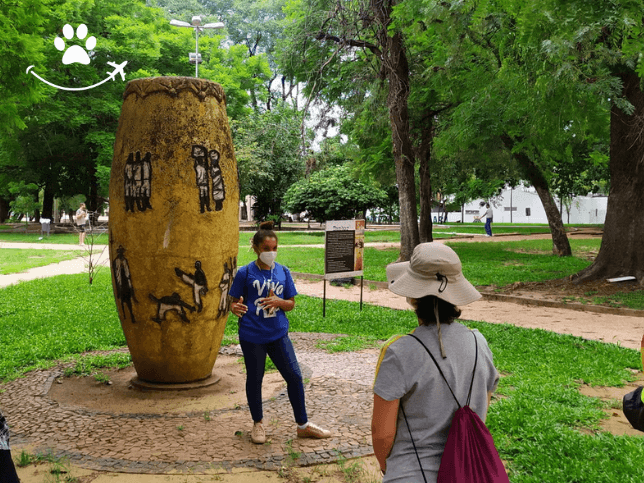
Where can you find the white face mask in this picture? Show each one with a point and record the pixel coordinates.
(268, 258)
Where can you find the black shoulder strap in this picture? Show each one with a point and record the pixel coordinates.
(422, 471)
(245, 289)
(476, 357)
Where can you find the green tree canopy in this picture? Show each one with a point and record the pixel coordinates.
(333, 194)
(21, 43)
(267, 148)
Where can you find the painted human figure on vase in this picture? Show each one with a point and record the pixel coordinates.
(170, 303)
(123, 281)
(218, 189)
(145, 190)
(201, 173)
(128, 177)
(137, 176)
(230, 270)
(197, 281)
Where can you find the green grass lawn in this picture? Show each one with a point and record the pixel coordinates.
(542, 426)
(317, 237)
(484, 264)
(14, 260)
(311, 260)
(55, 238)
(503, 263)
(302, 237)
(479, 229)
(499, 263)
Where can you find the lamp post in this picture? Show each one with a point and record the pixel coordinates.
(196, 24)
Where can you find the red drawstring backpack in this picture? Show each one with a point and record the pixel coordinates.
(470, 455)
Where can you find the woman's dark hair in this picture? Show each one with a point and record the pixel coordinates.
(265, 231)
(447, 312)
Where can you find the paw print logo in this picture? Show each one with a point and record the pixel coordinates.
(75, 53)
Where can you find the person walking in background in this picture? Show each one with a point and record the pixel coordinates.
(488, 219)
(262, 292)
(7, 469)
(81, 220)
(487, 214)
(413, 409)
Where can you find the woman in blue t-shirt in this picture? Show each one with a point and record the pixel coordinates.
(263, 291)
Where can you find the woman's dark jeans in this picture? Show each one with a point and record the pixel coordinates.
(282, 354)
(7, 469)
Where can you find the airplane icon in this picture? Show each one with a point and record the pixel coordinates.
(118, 69)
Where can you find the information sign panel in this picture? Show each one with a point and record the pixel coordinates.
(344, 249)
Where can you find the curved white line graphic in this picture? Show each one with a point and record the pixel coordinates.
(109, 76)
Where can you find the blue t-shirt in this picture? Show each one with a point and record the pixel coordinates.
(258, 325)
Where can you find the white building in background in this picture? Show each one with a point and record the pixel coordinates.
(522, 205)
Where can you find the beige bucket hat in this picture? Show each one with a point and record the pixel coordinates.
(434, 269)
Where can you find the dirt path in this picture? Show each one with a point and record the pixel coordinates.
(616, 329)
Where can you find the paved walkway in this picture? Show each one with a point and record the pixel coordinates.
(338, 394)
(98, 253)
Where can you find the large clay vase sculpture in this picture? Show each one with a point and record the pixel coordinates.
(173, 230)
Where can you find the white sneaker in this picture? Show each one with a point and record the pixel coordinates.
(258, 434)
(313, 431)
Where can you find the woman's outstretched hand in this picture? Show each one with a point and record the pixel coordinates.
(238, 308)
(270, 302)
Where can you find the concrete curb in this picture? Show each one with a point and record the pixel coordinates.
(600, 309)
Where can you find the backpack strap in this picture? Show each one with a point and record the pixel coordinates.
(476, 358)
(422, 472)
(245, 289)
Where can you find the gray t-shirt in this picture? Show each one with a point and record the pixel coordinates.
(406, 372)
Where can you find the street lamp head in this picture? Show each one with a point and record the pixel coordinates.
(179, 23)
(195, 58)
(216, 25)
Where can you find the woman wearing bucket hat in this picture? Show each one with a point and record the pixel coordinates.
(413, 407)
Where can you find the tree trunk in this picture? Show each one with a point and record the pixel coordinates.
(4, 210)
(425, 228)
(423, 154)
(48, 202)
(36, 216)
(93, 200)
(560, 242)
(396, 70)
(622, 248)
